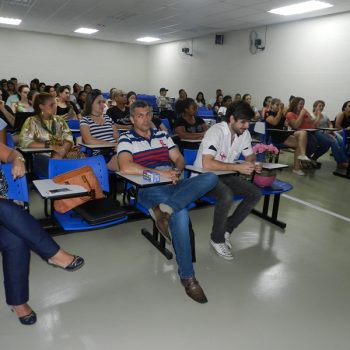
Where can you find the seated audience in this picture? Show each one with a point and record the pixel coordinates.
(42, 87)
(51, 90)
(247, 98)
(97, 128)
(22, 105)
(120, 112)
(81, 99)
(131, 98)
(297, 141)
(156, 121)
(218, 103)
(15, 97)
(46, 129)
(266, 107)
(65, 108)
(342, 120)
(226, 101)
(87, 88)
(34, 85)
(10, 90)
(21, 233)
(237, 98)
(200, 100)
(213, 100)
(144, 148)
(299, 118)
(189, 126)
(336, 140)
(165, 105)
(222, 145)
(76, 89)
(6, 113)
(182, 95)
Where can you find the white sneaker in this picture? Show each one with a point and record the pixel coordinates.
(228, 240)
(222, 250)
(304, 157)
(298, 172)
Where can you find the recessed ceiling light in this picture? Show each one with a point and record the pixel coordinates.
(148, 39)
(13, 21)
(302, 7)
(86, 31)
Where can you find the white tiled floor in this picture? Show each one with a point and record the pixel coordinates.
(285, 289)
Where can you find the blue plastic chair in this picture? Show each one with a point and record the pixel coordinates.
(74, 124)
(70, 221)
(166, 123)
(9, 140)
(17, 189)
(205, 113)
(151, 100)
(106, 95)
(346, 141)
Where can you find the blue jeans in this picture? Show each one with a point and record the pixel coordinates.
(20, 233)
(317, 144)
(337, 148)
(178, 197)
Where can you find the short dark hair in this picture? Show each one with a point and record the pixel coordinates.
(226, 98)
(239, 110)
(186, 103)
(137, 104)
(90, 98)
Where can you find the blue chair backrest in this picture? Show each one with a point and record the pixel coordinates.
(166, 123)
(98, 164)
(346, 140)
(190, 156)
(17, 189)
(9, 140)
(106, 95)
(206, 113)
(74, 124)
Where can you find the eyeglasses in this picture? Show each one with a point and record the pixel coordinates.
(122, 95)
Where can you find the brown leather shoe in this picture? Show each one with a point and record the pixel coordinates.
(161, 220)
(194, 290)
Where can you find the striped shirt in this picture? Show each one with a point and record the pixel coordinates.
(101, 132)
(151, 153)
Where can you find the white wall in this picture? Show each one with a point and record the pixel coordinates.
(309, 58)
(53, 58)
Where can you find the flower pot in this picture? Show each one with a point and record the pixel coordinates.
(265, 179)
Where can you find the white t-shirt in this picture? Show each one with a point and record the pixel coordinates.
(222, 110)
(217, 142)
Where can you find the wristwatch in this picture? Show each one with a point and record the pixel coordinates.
(20, 158)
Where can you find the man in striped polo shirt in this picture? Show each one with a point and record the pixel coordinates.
(144, 148)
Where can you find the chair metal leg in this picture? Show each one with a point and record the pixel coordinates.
(265, 212)
(158, 241)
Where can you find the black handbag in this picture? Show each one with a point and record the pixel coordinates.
(100, 211)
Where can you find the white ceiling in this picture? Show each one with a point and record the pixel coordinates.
(124, 21)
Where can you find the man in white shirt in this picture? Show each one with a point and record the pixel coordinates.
(221, 147)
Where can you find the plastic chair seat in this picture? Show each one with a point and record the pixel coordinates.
(71, 221)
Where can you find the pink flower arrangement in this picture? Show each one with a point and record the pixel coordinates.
(267, 149)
